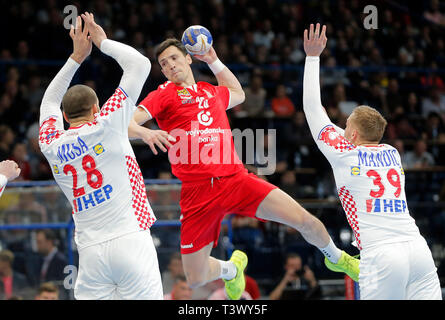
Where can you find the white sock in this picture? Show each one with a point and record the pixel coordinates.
(331, 252)
(228, 270)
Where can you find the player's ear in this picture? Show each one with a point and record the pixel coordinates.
(65, 117)
(96, 108)
(188, 58)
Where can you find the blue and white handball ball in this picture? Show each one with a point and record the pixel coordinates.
(197, 40)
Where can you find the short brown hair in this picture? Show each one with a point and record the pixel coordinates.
(48, 287)
(7, 256)
(78, 101)
(167, 43)
(370, 123)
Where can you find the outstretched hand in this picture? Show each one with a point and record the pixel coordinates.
(314, 41)
(158, 138)
(81, 42)
(97, 34)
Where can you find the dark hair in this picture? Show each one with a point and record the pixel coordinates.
(179, 278)
(168, 43)
(78, 101)
(292, 255)
(49, 234)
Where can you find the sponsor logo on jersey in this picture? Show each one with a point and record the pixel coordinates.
(184, 94)
(92, 199)
(99, 149)
(355, 171)
(56, 169)
(187, 246)
(386, 206)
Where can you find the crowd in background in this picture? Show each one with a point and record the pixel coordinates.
(398, 68)
(262, 43)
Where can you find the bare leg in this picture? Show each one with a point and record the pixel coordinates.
(280, 207)
(200, 267)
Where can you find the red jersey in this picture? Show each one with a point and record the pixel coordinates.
(196, 117)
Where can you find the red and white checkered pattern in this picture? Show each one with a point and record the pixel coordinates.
(139, 195)
(350, 207)
(333, 139)
(48, 131)
(113, 103)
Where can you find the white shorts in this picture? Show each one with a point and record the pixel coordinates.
(399, 271)
(122, 268)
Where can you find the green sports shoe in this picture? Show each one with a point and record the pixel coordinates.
(347, 264)
(235, 287)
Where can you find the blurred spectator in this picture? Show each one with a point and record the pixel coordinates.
(220, 293)
(28, 209)
(419, 157)
(288, 183)
(412, 104)
(435, 129)
(264, 35)
(330, 75)
(180, 290)
(434, 103)
(47, 291)
(12, 282)
(6, 141)
(252, 287)
(40, 169)
(281, 105)
(174, 269)
(401, 128)
(20, 155)
(255, 97)
(298, 282)
(434, 14)
(393, 97)
(53, 260)
(247, 233)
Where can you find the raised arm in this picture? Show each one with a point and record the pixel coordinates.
(135, 66)
(52, 99)
(224, 76)
(314, 43)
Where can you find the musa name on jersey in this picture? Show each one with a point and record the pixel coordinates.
(96, 169)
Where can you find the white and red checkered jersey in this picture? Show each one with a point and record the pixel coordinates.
(95, 166)
(370, 179)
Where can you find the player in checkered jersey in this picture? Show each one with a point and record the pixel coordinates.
(94, 165)
(9, 170)
(396, 262)
(214, 180)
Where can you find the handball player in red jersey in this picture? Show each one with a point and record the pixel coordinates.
(214, 180)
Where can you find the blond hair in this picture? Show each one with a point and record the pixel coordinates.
(369, 122)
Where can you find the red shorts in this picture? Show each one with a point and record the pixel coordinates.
(204, 205)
